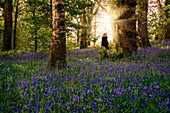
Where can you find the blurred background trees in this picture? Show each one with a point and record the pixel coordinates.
(32, 22)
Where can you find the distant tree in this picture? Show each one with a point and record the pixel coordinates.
(7, 39)
(15, 25)
(37, 17)
(161, 27)
(89, 10)
(92, 10)
(142, 23)
(57, 57)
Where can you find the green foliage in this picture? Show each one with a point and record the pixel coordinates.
(38, 23)
(111, 54)
(94, 39)
(10, 53)
(70, 45)
(1, 32)
(2, 4)
(156, 26)
(103, 52)
(74, 9)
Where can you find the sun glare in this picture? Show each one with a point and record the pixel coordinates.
(104, 26)
(104, 22)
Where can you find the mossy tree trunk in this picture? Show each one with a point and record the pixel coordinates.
(57, 57)
(142, 23)
(7, 40)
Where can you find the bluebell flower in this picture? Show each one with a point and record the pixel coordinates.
(19, 110)
(168, 108)
(168, 100)
(117, 105)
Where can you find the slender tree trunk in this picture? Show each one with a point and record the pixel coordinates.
(15, 25)
(167, 33)
(51, 11)
(159, 5)
(8, 26)
(78, 36)
(142, 23)
(83, 43)
(95, 27)
(57, 57)
(89, 30)
(89, 22)
(35, 33)
(113, 24)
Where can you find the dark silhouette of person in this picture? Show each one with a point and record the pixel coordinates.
(104, 41)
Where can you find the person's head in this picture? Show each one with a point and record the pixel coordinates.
(105, 34)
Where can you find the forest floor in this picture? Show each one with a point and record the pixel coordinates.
(140, 83)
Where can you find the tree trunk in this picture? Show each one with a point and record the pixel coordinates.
(83, 43)
(57, 57)
(159, 5)
(127, 27)
(167, 33)
(160, 34)
(15, 26)
(35, 32)
(8, 26)
(89, 22)
(89, 30)
(78, 37)
(142, 23)
(113, 24)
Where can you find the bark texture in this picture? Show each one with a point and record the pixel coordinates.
(35, 32)
(127, 27)
(15, 25)
(57, 57)
(167, 34)
(7, 40)
(83, 43)
(142, 23)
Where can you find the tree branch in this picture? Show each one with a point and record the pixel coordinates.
(102, 7)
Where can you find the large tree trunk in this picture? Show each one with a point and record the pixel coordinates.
(83, 43)
(142, 23)
(15, 25)
(167, 33)
(8, 26)
(127, 27)
(57, 57)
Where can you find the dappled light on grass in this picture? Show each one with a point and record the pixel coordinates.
(135, 84)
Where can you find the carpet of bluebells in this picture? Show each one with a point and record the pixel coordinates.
(140, 83)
